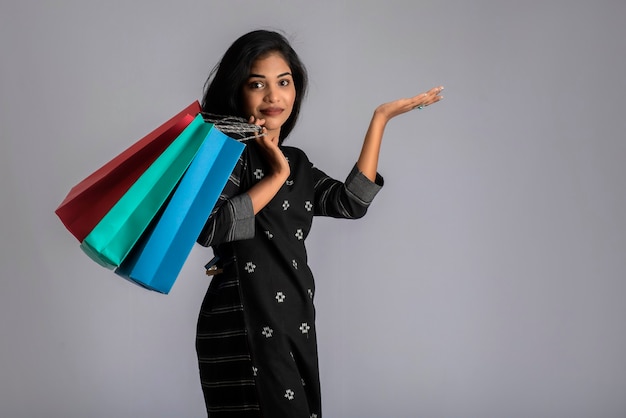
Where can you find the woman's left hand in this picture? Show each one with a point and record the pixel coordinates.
(368, 159)
(398, 107)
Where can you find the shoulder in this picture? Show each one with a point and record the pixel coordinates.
(294, 154)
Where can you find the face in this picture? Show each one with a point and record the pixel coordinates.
(269, 92)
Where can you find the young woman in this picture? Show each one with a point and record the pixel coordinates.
(256, 340)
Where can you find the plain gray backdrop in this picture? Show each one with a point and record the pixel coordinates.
(488, 278)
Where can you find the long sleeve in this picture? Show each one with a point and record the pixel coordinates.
(232, 218)
(349, 199)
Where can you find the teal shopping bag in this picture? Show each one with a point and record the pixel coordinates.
(113, 237)
(158, 257)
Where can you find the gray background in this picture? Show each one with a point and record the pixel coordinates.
(487, 280)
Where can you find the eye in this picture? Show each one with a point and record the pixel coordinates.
(255, 85)
(284, 83)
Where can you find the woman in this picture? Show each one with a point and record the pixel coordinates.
(256, 339)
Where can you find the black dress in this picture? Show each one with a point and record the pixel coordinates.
(256, 340)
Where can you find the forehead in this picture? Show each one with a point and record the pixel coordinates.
(270, 64)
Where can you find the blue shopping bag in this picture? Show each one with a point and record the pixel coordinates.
(158, 257)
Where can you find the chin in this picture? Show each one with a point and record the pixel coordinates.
(273, 126)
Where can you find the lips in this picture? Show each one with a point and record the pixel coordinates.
(272, 111)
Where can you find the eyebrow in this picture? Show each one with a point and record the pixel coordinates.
(262, 76)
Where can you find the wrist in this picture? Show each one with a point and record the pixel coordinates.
(279, 177)
(380, 117)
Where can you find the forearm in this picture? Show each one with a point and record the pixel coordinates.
(265, 190)
(233, 221)
(368, 159)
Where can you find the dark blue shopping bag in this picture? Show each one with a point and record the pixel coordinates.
(157, 259)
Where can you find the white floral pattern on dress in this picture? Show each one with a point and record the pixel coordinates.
(259, 174)
(280, 297)
(250, 267)
(285, 205)
(267, 332)
(308, 206)
(304, 328)
(289, 394)
(299, 234)
(269, 235)
(294, 263)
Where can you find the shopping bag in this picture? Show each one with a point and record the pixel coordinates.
(88, 201)
(118, 231)
(158, 257)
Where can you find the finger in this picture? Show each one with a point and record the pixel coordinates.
(419, 101)
(435, 90)
(423, 100)
(259, 123)
(253, 120)
(432, 96)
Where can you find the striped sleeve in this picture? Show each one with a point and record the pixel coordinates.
(232, 218)
(349, 199)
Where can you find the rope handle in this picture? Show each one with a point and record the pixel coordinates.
(233, 125)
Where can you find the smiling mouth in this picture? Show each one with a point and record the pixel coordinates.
(274, 111)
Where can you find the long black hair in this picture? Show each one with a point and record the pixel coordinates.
(224, 87)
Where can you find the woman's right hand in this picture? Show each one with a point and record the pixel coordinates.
(274, 156)
(265, 190)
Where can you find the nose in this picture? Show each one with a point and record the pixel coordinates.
(270, 94)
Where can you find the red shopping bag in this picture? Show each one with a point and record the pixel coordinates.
(88, 201)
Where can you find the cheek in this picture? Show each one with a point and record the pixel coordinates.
(292, 97)
(248, 104)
